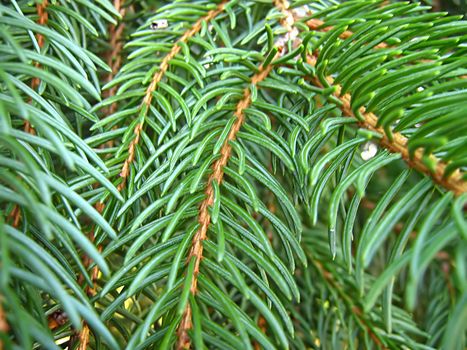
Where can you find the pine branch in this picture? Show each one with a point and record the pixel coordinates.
(394, 142)
(356, 310)
(204, 217)
(52, 227)
(288, 23)
(206, 122)
(125, 172)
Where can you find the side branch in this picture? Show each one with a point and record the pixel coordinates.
(125, 172)
(204, 217)
(399, 143)
(358, 313)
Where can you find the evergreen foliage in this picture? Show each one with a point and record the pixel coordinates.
(244, 174)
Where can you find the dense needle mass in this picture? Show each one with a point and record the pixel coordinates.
(242, 174)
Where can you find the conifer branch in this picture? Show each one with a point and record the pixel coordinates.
(398, 143)
(58, 318)
(239, 151)
(156, 79)
(204, 217)
(328, 277)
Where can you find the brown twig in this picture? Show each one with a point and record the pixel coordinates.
(155, 80)
(15, 216)
(84, 333)
(262, 325)
(43, 19)
(83, 338)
